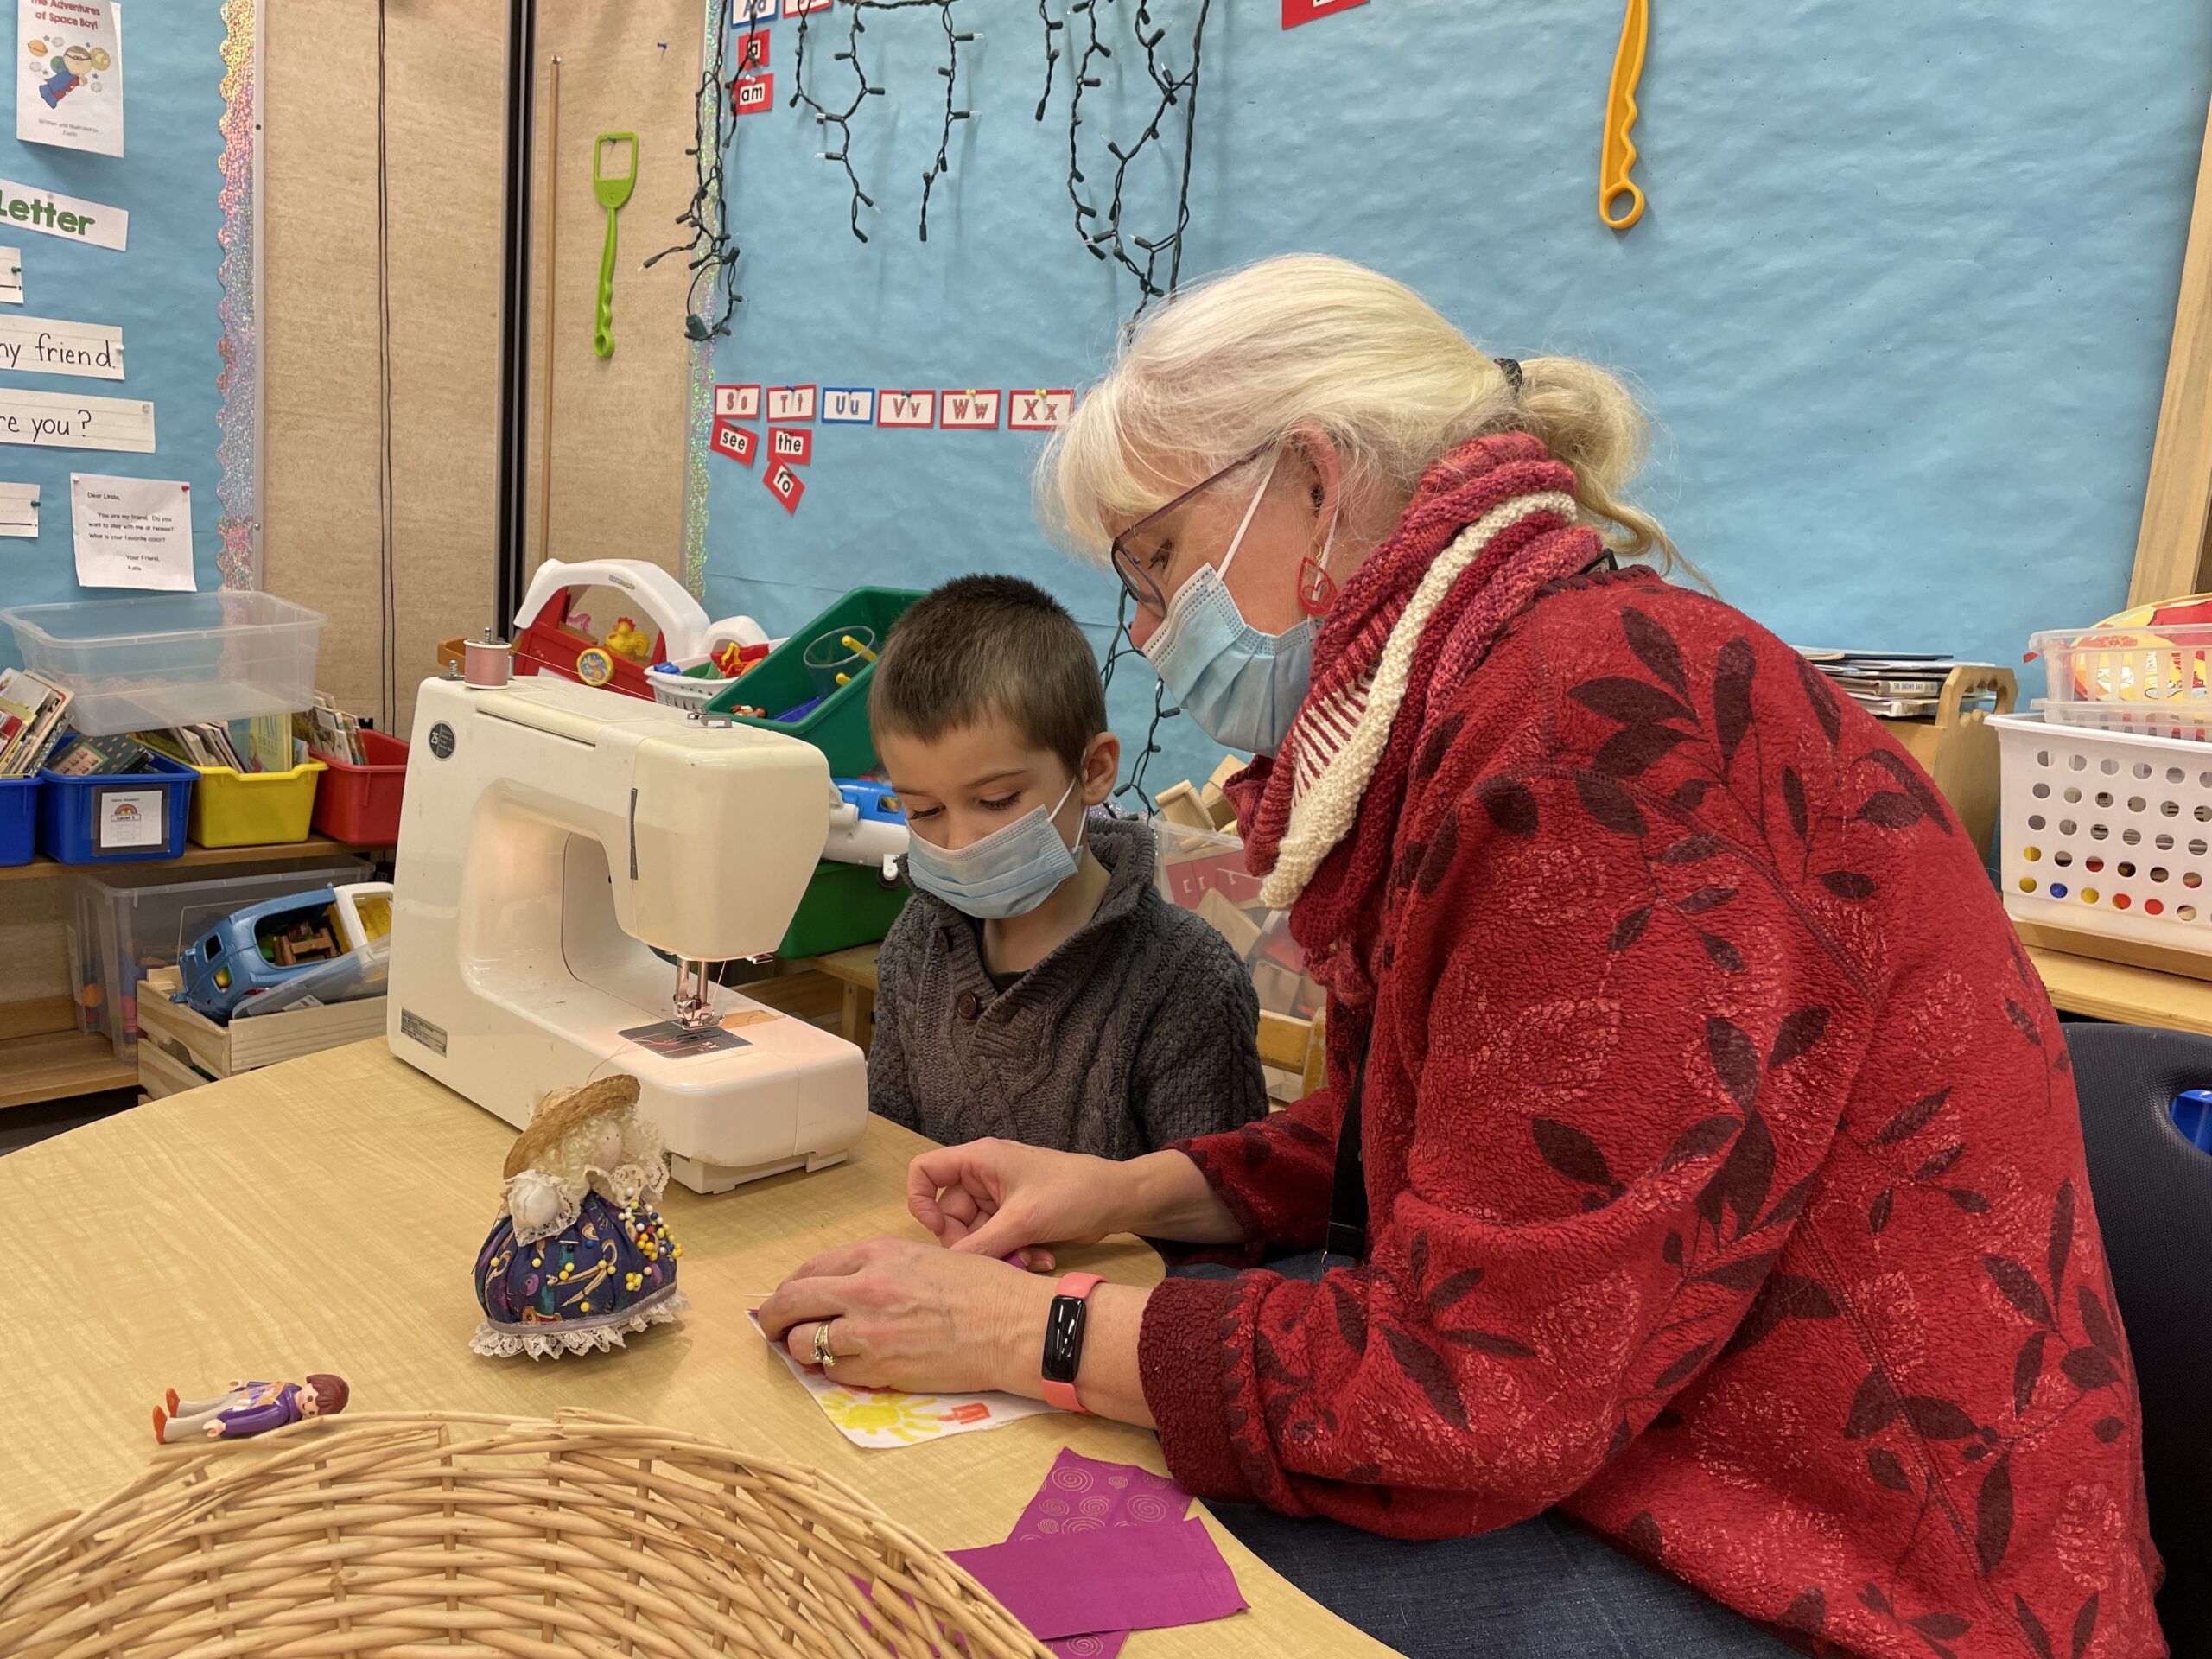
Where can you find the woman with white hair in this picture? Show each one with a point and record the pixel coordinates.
(1705, 1242)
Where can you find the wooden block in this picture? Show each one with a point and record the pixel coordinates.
(1229, 922)
(1179, 804)
(1211, 796)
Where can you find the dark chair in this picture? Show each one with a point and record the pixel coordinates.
(2153, 1192)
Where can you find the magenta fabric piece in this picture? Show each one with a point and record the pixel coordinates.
(1083, 1495)
(1100, 1645)
(1116, 1578)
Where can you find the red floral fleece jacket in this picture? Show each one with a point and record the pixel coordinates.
(1725, 1179)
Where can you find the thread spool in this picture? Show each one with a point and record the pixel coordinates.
(488, 662)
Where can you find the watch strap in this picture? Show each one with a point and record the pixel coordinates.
(1063, 1327)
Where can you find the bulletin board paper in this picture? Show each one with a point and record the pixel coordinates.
(1846, 333)
(180, 293)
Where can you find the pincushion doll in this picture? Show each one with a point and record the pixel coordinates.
(579, 1257)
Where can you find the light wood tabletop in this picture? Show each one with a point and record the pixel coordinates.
(324, 1215)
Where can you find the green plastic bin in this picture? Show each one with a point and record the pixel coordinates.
(845, 904)
(838, 725)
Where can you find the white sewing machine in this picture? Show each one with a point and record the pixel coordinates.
(551, 833)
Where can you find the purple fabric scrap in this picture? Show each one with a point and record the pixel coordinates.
(1081, 1494)
(1145, 1577)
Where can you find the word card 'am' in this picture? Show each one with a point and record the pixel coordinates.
(791, 402)
(969, 411)
(906, 408)
(1039, 412)
(750, 94)
(55, 421)
(737, 403)
(849, 405)
(42, 346)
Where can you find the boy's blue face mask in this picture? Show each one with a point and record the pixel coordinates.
(1009, 873)
(1240, 685)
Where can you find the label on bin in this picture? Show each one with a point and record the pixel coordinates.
(124, 819)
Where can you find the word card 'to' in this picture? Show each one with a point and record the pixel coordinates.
(750, 94)
(740, 443)
(791, 402)
(1038, 411)
(970, 411)
(737, 403)
(791, 443)
(849, 405)
(785, 484)
(905, 409)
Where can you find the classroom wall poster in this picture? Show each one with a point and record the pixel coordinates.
(69, 75)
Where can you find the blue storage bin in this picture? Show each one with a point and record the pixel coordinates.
(125, 818)
(18, 819)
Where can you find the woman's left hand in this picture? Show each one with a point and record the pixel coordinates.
(916, 1317)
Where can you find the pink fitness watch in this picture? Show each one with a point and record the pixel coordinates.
(1063, 1339)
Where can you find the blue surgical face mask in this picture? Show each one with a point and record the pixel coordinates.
(1240, 685)
(1009, 873)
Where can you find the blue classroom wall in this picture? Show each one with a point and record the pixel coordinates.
(1902, 300)
(163, 291)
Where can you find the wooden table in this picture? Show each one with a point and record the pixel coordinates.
(2132, 996)
(324, 1215)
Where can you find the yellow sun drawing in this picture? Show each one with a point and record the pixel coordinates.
(886, 1411)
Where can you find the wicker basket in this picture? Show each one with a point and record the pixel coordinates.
(478, 1535)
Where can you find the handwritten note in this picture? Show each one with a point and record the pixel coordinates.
(132, 532)
(43, 345)
(50, 420)
(18, 510)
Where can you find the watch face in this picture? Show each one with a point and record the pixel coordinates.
(1063, 1354)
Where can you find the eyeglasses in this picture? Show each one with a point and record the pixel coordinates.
(1136, 580)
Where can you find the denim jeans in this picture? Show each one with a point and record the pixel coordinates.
(1543, 1589)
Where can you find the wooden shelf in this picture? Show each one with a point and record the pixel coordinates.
(56, 1064)
(194, 858)
(2132, 996)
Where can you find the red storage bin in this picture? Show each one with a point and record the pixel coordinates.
(359, 805)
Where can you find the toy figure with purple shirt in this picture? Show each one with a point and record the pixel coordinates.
(248, 1408)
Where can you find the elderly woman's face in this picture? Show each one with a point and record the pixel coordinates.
(1170, 546)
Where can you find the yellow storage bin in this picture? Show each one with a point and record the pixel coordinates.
(233, 809)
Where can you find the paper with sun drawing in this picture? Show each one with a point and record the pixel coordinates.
(884, 1417)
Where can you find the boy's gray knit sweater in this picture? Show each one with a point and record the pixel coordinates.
(1137, 1031)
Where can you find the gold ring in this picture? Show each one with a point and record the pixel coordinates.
(822, 1356)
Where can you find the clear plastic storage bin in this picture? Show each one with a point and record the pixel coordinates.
(2147, 680)
(127, 923)
(172, 659)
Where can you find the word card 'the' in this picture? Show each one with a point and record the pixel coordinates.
(737, 403)
(970, 411)
(740, 443)
(1039, 412)
(905, 409)
(791, 402)
(791, 443)
(785, 484)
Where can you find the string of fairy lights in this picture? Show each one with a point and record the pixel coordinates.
(1089, 31)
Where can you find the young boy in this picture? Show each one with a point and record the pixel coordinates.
(1036, 987)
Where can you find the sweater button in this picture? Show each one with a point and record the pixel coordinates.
(967, 1005)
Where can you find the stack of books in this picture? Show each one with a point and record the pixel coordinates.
(32, 712)
(1889, 684)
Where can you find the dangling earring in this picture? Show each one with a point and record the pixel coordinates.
(1317, 588)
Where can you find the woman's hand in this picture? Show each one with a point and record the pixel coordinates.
(993, 1198)
(908, 1316)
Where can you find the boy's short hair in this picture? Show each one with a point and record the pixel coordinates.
(980, 646)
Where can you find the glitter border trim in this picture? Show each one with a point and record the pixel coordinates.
(237, 383)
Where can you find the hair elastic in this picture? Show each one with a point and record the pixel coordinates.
(1510, 368)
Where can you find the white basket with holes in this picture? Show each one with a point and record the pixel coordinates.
(2107, 833)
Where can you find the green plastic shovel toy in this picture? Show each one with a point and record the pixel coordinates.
(611, 193)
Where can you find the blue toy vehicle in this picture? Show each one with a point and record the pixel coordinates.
(257, 948)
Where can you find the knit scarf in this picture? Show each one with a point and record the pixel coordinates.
(1491, 524)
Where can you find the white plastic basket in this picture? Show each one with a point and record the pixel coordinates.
(681, 691)
(2153, 681)
(2106, 832)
